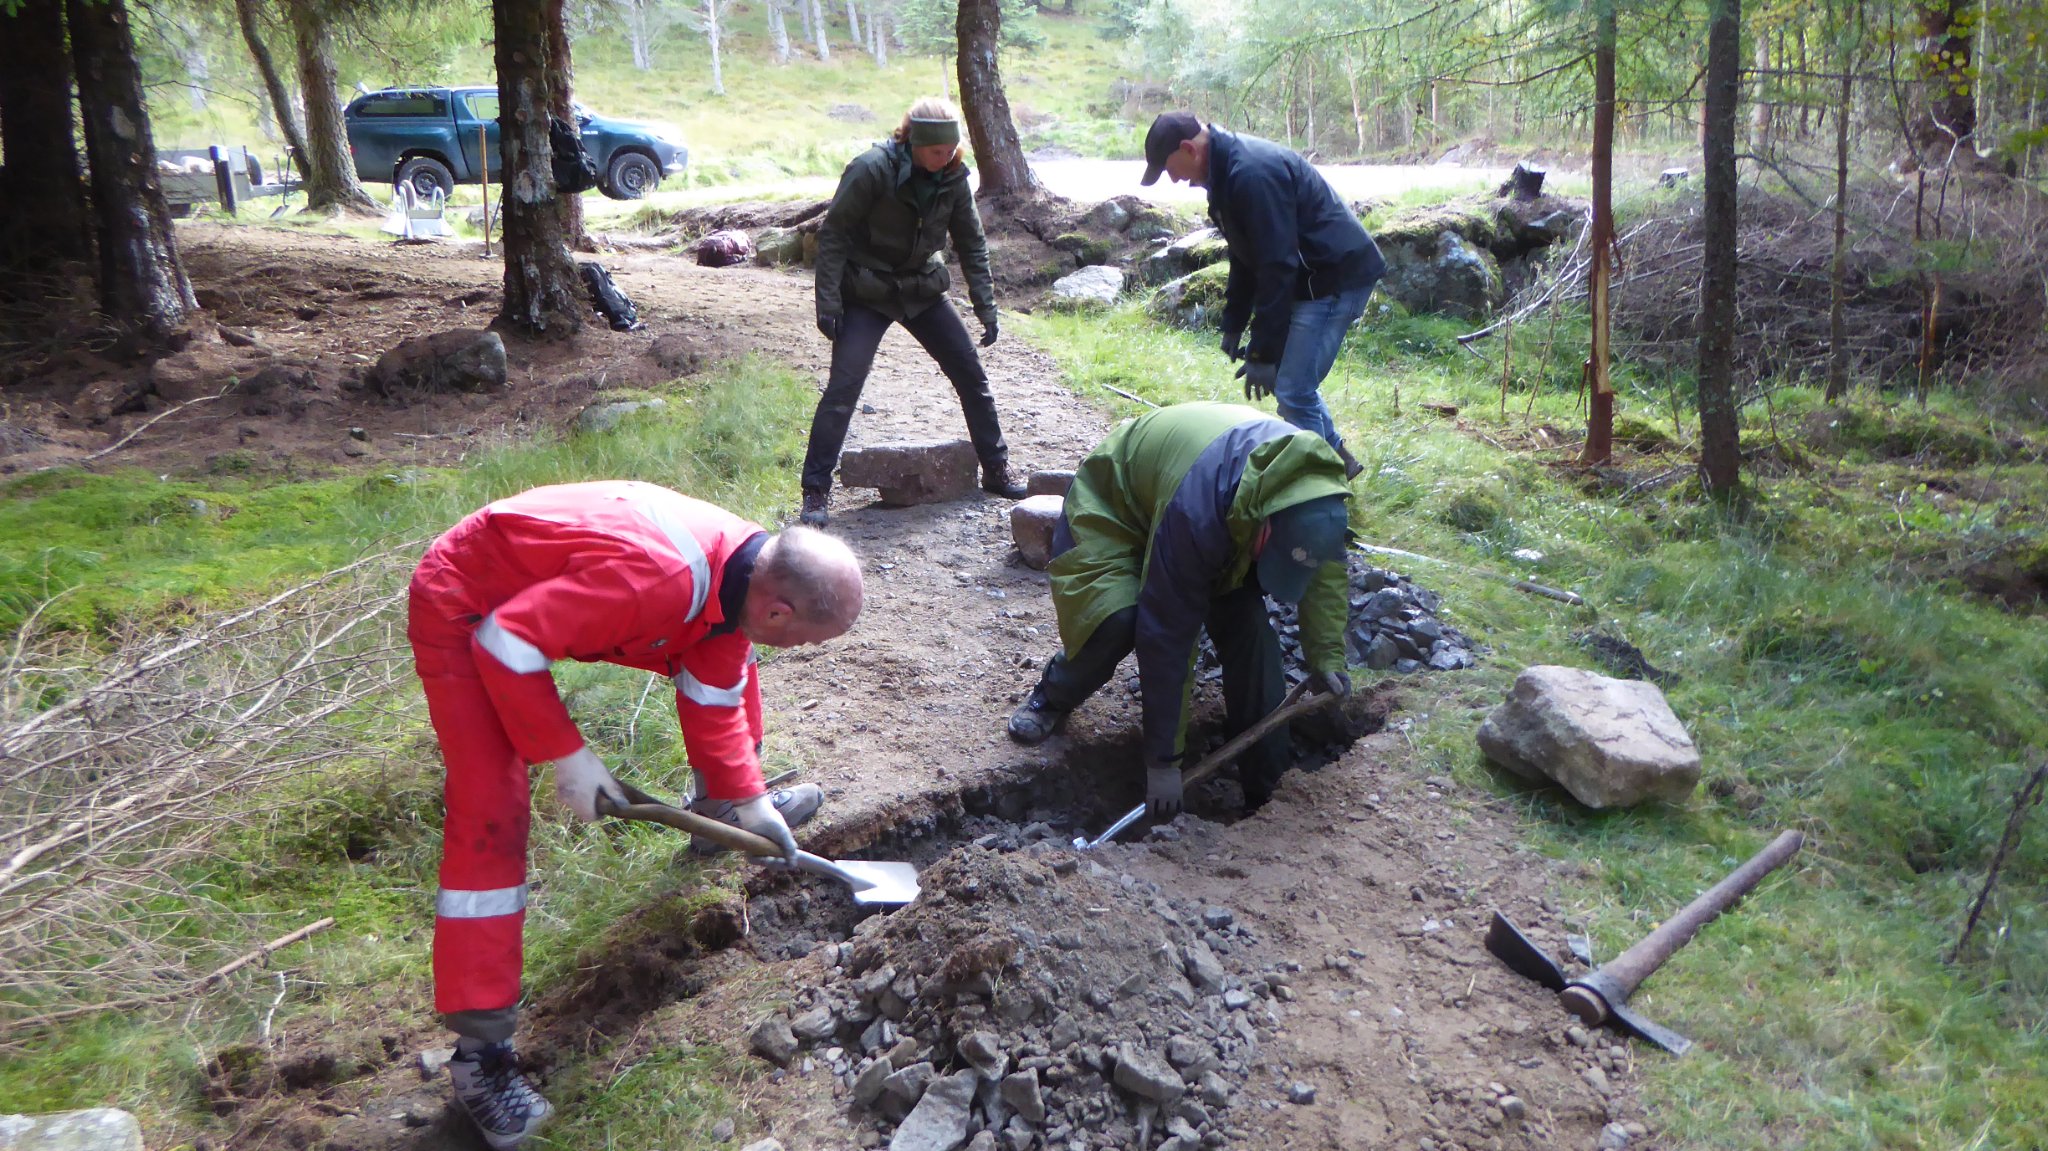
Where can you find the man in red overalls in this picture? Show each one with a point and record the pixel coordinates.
(617, 571)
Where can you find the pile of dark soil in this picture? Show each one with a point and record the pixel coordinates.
(1037, 999)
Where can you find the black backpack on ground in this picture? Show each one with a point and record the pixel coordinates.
(609, 301)
(575, 171)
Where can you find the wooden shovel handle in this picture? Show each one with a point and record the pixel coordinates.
(1298, 702)
(648, 809)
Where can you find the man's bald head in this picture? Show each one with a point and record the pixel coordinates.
(806, 589)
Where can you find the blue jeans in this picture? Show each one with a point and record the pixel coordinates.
(1315, 332)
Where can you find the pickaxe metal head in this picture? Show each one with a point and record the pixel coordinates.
(1595, 999)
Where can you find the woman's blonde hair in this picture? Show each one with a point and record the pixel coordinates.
(928, 108)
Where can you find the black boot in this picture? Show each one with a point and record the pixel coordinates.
(1351, 465)
(996, 481)
(816, 513)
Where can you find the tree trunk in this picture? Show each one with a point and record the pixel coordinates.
(853, 23)
(878, 37)
(1762, 109)
(563, 104)
(330, 171)
(42, 199)
(711, 37)
(982, 102)
(803, 11)
(1720, 447)
(1599, 384)
(818, 26)
(250, 18)
(778, 30)
(142, 285)
(1946, 128)
(1838, 343)
(636, 35)
(542, 293)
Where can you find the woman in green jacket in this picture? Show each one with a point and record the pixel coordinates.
(882, 261)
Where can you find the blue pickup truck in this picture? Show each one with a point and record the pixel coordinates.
(427, 137)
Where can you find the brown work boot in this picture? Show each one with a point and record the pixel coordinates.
(1351, 465)
(816, 513)
(996, 481)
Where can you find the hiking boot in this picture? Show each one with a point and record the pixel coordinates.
(797, 805)
(816, 513)
(996, 481)
(1034, 722)
(1351, 465)
(489, 1086)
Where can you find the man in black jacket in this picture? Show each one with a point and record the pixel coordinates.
(1301, 265)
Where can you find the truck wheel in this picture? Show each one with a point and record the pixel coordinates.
(425, 174)
(632, 176)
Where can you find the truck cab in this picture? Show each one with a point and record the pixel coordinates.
(430, 138)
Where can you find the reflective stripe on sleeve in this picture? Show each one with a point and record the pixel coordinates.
(509, 649)
(679, 536)
(697, 691)
(453, 904)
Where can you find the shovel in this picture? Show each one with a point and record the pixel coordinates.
(874, 883)
(1297, 703)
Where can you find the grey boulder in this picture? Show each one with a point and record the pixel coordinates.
(1609, 742)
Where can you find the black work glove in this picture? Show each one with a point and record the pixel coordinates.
(1230, 345)
(828, 325)
(1337, 683)
(1258, 379)
(989, 328)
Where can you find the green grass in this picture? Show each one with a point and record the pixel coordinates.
(1835, 679)
(362, 844)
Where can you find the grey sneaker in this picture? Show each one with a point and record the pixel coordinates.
(797, 805)
(1035, 721)
(489, 1086)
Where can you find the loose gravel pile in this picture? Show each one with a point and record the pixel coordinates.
(1037, 999)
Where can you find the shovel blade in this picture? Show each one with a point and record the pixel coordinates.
(1522, 956)
(880, 884)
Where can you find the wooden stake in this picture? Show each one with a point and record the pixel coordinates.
(483, 159)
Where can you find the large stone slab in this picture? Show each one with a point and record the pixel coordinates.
(97, 1129)
(905, 474)
(1093, 287)
(1610, 742)
(1033, 519)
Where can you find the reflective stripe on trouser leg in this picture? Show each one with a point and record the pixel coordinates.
(481, 908)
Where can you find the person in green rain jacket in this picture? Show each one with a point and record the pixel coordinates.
(1183, 519)
(882, 261)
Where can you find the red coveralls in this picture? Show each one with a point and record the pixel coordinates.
(618, 571)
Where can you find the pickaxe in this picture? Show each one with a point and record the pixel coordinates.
(1602, 996)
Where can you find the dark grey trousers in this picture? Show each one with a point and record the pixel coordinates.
(939, 330)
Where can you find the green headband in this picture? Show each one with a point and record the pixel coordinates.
(925, 132)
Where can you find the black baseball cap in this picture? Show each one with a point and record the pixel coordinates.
(1302, 537)
(1168, 130)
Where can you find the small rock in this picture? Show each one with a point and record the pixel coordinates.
(761, 1145)
(815, 1025)
(1578, 1036)
(1613, 1137)
(941, 1118)
(433, 1059)
(1513, 1107)
(910, 1083)
(1217, 918)
(1141, 1073)
(1184, 1051)
(871, 1082)
(1301, 1094)
(1022, 1092)
(1597, 1080)
(772, 1040)
(982, 1141)
(1235, 1000)
(1203, 967)
(1065, 1033)
(1215, 1089)
(984, 1052)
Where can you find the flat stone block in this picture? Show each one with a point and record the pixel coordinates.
(1032, 521)
(905, 474)
(1049, 483)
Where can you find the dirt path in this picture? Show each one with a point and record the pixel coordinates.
(1371, 882)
